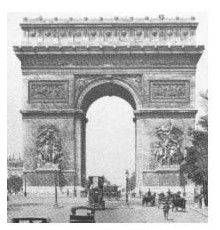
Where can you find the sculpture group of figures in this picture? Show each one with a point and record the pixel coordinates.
(168, 150)
(174, 200)
(48, 146)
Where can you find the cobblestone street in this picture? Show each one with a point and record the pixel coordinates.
(116, 211)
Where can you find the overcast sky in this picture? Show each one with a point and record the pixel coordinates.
(110, 130)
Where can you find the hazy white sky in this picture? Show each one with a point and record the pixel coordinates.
(110, 130)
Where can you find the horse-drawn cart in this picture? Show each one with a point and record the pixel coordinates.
(149, 199)
(178, 202)
(174, 199)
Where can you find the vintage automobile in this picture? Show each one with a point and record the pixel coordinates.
(178, 202)
(96, 192)
(111, 192)
(30, 220)
(82, 214)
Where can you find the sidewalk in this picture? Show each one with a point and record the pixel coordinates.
(203, 211)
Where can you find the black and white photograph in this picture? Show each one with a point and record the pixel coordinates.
(107, 117)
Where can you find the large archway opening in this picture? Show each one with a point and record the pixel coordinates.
(110, 139)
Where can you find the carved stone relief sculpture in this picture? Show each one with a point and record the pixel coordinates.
(48, 91)
(168, 149)
(48, 146)
(163, 90)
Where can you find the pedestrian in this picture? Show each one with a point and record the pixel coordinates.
(200, 200)
(166, 208)
(169, 193)
(149, 193)
(140, 193)
(200, 197)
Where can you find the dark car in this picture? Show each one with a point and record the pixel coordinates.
(82, 215)
(30, 220)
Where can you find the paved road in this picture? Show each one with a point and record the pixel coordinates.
(135, 213)
(116, 211)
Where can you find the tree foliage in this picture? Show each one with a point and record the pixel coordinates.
(14, 184)
(132, 182)
(196, 161)
(203, 121)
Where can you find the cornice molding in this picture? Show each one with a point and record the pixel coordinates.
(101, 21)
(66, 113)
(162, 113)
(99, 70)
(50, 50)
(161, 170)
(27, 70)
(108, 57)
(46, 171)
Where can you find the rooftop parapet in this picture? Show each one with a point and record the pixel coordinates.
(109, 31)
(115, 20)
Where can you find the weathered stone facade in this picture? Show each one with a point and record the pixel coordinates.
(68, 64)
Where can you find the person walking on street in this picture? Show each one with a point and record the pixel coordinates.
(149, 193)
(200, 200)
(166, 208)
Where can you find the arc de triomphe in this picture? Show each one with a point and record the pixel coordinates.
(69, 63)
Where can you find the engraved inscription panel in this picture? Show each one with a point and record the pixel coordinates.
(169, 90)
(48, 91)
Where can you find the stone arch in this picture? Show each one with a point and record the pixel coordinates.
(157, 80)
(93, 91)
(107, 87)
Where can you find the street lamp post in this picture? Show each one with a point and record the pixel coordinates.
(127, 184)
(25, 184)
(74, 185)
(55, 186)
(182, 174)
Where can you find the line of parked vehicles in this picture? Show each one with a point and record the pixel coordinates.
(175, 200)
